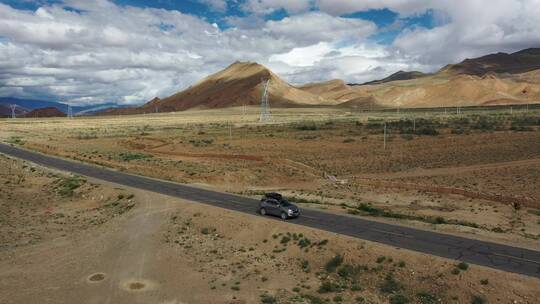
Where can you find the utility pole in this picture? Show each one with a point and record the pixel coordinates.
(384, 142)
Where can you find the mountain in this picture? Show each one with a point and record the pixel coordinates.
(45, 112)
(5, 111)
(31, 104)
(493, 79)
(239, 84)
(515, 63)
(399, 75)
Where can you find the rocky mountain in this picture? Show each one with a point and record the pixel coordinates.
(45, 112)
(515, 63)
(239, 84)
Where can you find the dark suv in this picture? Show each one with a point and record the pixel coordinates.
(274, 204)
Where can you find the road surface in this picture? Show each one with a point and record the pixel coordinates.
(498, 256)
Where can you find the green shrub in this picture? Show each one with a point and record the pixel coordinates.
(463, 266)
(67, 186)
(399, 299)
(478, 300)
(267, 299)
(327, 286)
(334, 263)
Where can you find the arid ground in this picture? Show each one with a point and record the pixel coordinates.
(474, 174)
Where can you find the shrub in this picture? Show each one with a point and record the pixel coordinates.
(334, 263)
(328, 286)
(478, 300)
(463, 266)
(347, 271)
(380, 259)
(68, 185)
(307, 127)
(484, 281)
(338, 299)
(205, 230)
(399, 299)
(389, 285)
(267, 299)
(426, 298)
(129, 156)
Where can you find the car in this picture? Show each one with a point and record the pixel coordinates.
(275, 204)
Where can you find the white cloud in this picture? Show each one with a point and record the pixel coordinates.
(264, 7)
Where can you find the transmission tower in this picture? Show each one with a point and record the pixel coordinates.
(13, 107)
(70, 111)
(265, 107)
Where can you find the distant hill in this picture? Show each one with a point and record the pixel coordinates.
(45, 112)
(399, 75)
(519, 62)
(31, 104)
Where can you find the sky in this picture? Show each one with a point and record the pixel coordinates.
(130, 51)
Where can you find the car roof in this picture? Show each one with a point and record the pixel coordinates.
(273, 195)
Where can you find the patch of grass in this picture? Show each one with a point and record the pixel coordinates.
(478, 300)
(368, 209)
(67, 186)
(390, 285)
(129, 156)
(427, 298)
(306, 127)
(314, 300)
(334, 263)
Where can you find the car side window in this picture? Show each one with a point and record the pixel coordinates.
(272, 202)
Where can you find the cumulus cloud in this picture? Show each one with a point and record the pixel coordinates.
(263, 7)
(97, 51)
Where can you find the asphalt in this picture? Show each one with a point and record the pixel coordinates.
(493, 255)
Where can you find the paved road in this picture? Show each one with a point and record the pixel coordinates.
(507, 258)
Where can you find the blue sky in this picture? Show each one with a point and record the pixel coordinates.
(389, 22)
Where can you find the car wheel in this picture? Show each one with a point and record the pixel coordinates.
(283, 215)
(262, 211)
